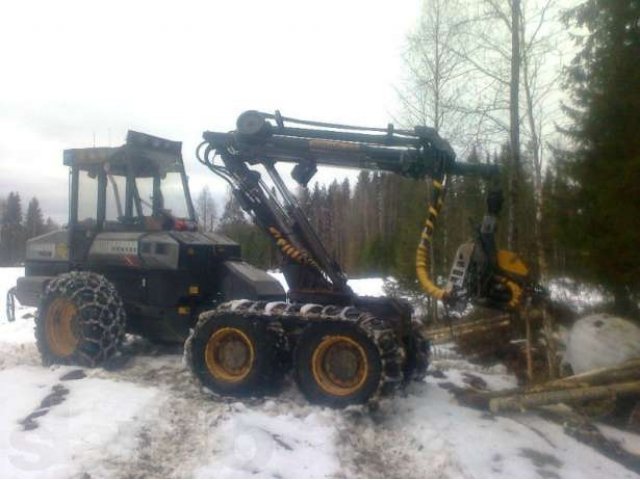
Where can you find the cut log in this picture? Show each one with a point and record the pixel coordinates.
(528, 400)
(626, 372)
(445, 334)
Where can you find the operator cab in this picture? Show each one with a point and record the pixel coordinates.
(140, 186)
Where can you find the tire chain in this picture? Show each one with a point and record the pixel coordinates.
(392, 355)
(11, 305)
(101, 310)
(422, 355)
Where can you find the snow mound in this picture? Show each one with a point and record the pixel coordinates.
(601, 340)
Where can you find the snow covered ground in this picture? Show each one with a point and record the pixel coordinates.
(149, 419)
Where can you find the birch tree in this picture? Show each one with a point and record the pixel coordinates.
(206, 210)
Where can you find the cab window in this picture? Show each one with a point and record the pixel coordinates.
(87, 198)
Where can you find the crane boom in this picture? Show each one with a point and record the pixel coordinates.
(416, 154)
(312, 274)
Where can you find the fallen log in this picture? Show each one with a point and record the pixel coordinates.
(527, 399)
(628, 371)
(449, 332)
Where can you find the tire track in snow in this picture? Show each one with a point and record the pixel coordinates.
(378, 444)
(172, 437)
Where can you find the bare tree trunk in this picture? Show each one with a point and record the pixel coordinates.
(548, 328)
(514, 117)
(529, 345)
(536, 147)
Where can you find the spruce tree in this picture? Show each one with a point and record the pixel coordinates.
(256, 246)
(34, 220)
(233, 213)
(12, 233)
(603, 170)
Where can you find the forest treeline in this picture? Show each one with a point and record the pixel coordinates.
(16, 228)
(489, 78)
(372, 227)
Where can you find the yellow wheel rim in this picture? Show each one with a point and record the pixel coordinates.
(229, 355)
(59, 327)
(339, 365)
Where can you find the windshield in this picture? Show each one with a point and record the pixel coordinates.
(162, 194)
(172, 191)
(157, 198)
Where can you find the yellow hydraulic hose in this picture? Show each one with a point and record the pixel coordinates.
(290, 250)
(423, 258)
(515, 289)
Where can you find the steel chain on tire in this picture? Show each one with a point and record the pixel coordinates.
(422, 352)
(273, 326)
(392, 355)
(11, 305)
(101, 317)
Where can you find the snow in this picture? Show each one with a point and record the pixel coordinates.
(150, 419)
(626, 440)
(601, 340)
(373, 287)
(88, 423)
(273, 444)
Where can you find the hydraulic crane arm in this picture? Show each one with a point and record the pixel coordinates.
(416, 154)
(264, 139)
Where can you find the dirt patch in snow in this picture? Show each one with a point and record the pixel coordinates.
(73, 375)
(55, 397)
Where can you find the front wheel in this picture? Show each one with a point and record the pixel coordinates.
(81, 320)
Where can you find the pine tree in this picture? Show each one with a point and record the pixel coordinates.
(34, 221)
(257, 248)
(603, 171)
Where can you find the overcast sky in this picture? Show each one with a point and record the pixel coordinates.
(75, 71)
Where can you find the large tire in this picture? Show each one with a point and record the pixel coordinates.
(81, 320)
(337, 364)
(236, 354)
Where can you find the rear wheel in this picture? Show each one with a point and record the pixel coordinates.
(234, 354)
(338, 364)
(81, 320)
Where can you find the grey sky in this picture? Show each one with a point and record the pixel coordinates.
(73, 71)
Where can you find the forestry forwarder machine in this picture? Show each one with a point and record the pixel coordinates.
(140, 265)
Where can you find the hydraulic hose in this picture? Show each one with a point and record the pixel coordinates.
(291, 251)
(423, 255)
